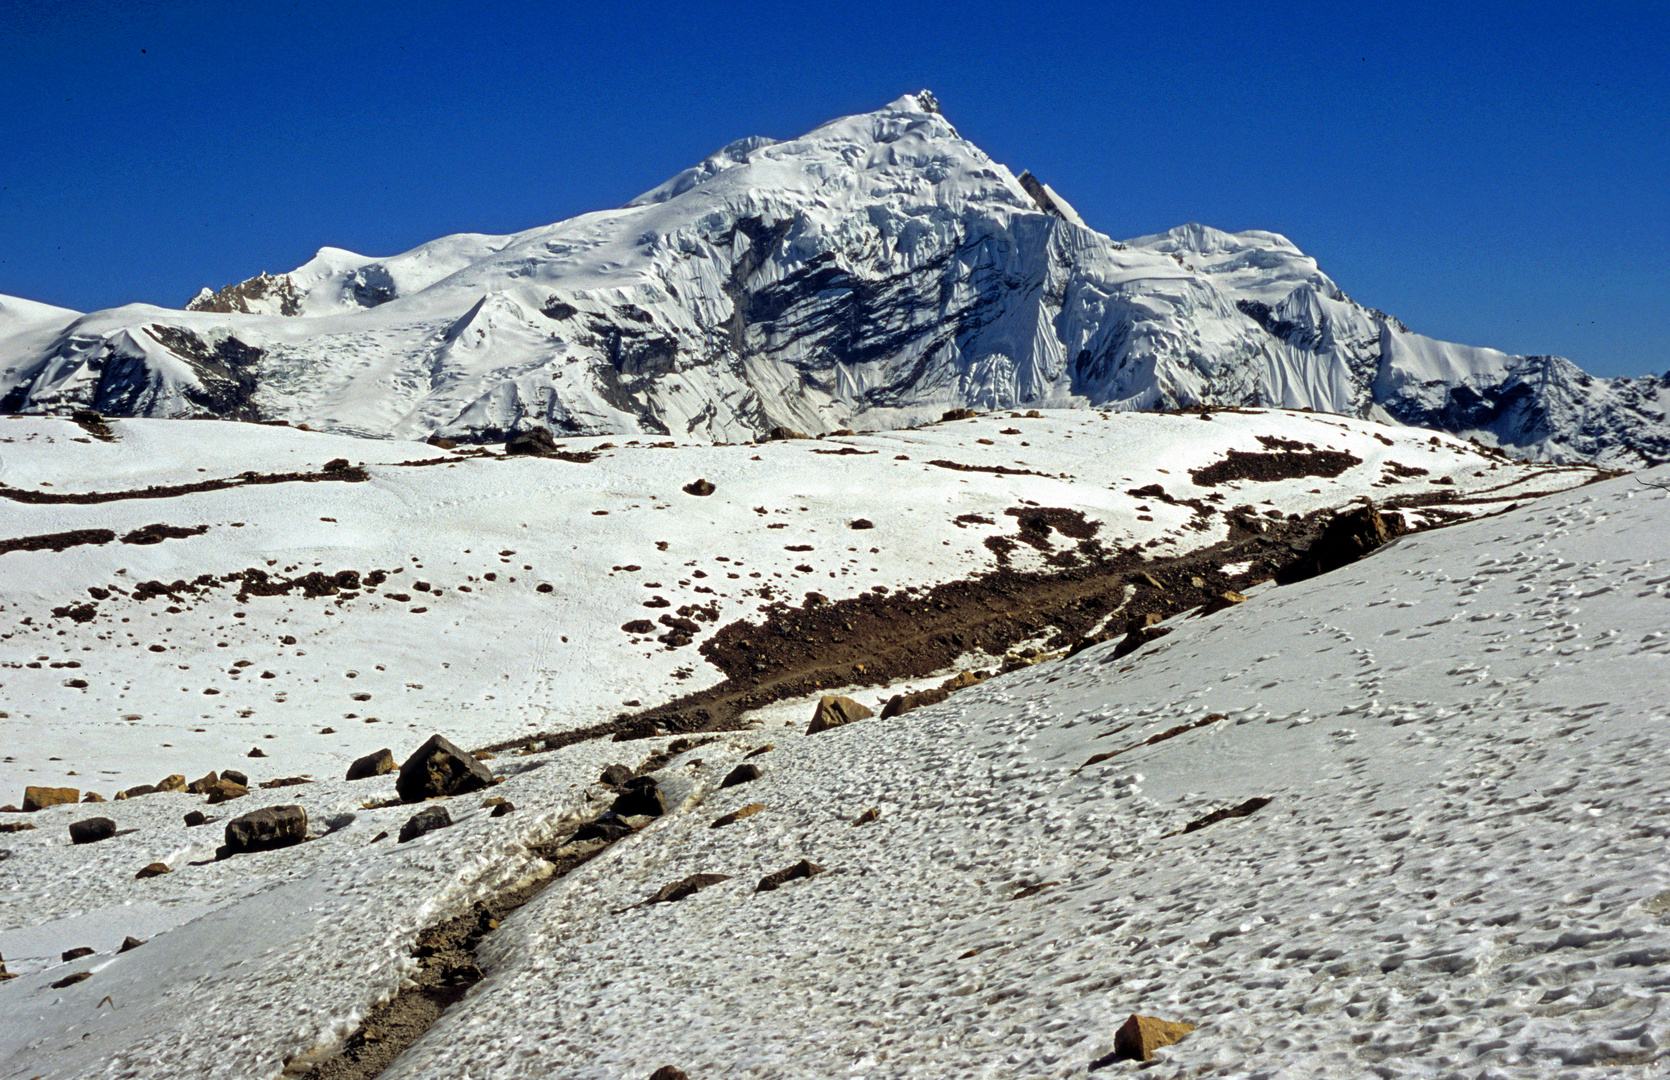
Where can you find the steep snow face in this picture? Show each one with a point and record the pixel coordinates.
(870, 273)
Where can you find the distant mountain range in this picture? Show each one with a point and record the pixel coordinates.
(872, 273)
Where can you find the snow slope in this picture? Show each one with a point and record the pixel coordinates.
(870, 273)
(1459, 871)
(510, 580)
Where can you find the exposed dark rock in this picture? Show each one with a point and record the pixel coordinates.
(642, 796)
(130, 943)
(1243, 809)
(669, 1072)
(742, 774)
(76, 953)
(440, 768)
(867, 816)
(196, 818)
(699, 487)
(958, 414)
(1345, 539)
(535, 441)
(615, 776)
(861, 523)
(256, 752)
(156, 869)
(224, 790)
(235, 776)
(801, 869)
(372, 765)
(284, 781)
(71, 980)
(607, 827)
(265, 829)
(91, 830)
(424, 821)
(503, 807)
(202, 785)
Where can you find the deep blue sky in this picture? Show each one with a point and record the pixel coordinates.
(1491, 174)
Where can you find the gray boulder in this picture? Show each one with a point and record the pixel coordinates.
(372, 765)
(91, 830)
(426, 820)
(265, 829)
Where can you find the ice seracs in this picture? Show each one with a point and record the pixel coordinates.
(871, 273)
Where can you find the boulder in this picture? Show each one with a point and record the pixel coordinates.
(256, 751)
(742, 774)
(1347, 538)
(958, 414)
(699, 487)
(832, 712)
(615, 776)
(1138, 1037)
(224, 790)
(503, 807)
(156, 869)
(669, 1072)
(801, 869)
(130, 943)
(136, 791)
(202, 785)
(76, 953)
(71, 980)
(781, 432)
(235, 776)
(196, 818)
(424, 821)
(92, 796)
(37, 798)
(1226, 599)
(372, 765)
(175, 782)
(265, 829)
(535, 441)
(641, 796)
(91, 830)
(440, 768)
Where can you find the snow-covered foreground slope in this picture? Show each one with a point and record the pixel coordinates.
(870, 273)
(1459, 872)
(510, 582)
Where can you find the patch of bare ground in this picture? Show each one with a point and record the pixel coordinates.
(346, 473)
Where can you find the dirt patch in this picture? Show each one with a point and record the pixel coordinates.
(351, 475)
(1274, 465)
(57, 541)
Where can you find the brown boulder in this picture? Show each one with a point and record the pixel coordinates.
(156, 869)
(38, 798)
(92, 796)
(92, 830)
(1138, 1037)
(203, 785)
(535, 441)
(802, 869)
(699, 487)
(224, 790)
(737, 815)
(833, 712)
(440, 768)
(267, 828)
(372, 765)
(175, 782)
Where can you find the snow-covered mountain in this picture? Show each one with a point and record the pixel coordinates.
(870, 274)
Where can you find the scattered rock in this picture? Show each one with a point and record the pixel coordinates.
(801, 869)
(1251, 806)
(71, 980)
(668, 1072)
(441, 444)
(535, 441)
(174, 782)
(737, 815)
(835, 711)
(641, 796)
(91, 830)
(196, 818)
(742, 774)
(615, 776)
(284, 781)
(156, 869)
(689, 886)
(136, 791)
(440, 768)
(92, 797)
(38, 798)
(861, 523)
(781, 432)
(202, 785)
(235, 776)
(15, 826)
(129, 944)
(866, 817)
(1138, 1038)
(607, 827)
(372, 765)
(265, 829)
(337, 465)
(503, 808)
(1226, 599)
(699, 487)
(958, 414)
(426, 820)
(76, 953)
(256, 752)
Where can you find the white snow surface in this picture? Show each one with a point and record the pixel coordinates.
(1460, 872)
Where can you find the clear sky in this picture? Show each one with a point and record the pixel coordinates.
(1493, 174)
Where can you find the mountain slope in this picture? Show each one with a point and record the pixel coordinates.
(872, 273)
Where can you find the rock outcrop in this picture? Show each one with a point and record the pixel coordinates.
(439, 768)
